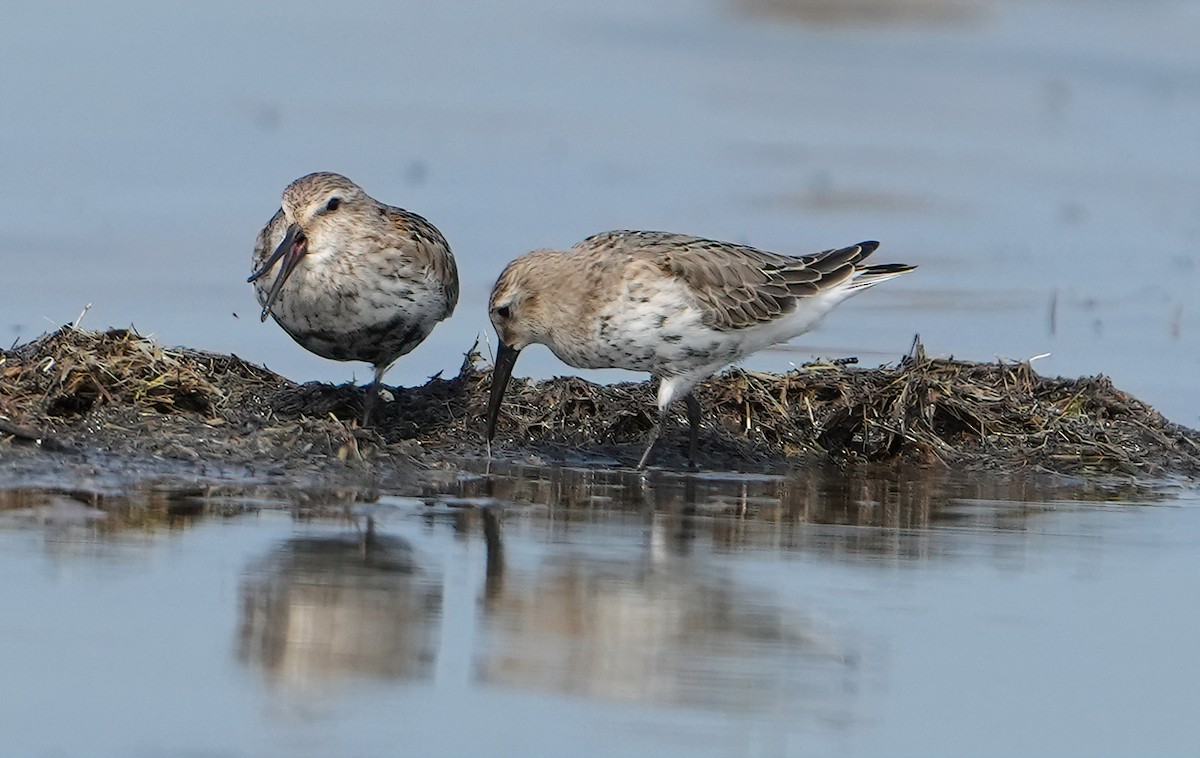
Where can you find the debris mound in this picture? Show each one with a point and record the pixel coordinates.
(154, 411)
(120, 393)
(932, 411)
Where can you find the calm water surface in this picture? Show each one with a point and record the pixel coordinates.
(570, 612)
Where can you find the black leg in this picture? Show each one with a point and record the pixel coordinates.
(693, 413)
(369, 534)
(372, 396)
(654, 433)
(369, 403)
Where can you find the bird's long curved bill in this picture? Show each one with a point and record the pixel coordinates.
(506, 358)
(291, 250)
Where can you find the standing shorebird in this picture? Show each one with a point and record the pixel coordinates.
(680, 308)
(352, 279)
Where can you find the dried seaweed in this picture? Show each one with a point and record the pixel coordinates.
(122, 393)
(930, 411)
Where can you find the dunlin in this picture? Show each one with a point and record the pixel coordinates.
(678, 307)
(352, 279)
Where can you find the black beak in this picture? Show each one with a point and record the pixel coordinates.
(506, 358)
(291, 250)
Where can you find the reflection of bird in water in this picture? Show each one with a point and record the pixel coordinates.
(318, 608)
(652, 630)
(653, 626)
(657, 634)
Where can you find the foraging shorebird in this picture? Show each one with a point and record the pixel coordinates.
(352, 279)
(678, 307)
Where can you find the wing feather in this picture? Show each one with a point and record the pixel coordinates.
(737, 285)
(431, 249)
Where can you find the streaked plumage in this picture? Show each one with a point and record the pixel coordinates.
(349, 278)
(678, 307)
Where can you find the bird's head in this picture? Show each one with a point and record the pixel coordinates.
(316, 206)
(520, 308)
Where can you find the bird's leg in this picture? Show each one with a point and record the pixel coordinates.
(693, 414)
(372, 396)
(654, 433)
(368, 535)
(669, 389)
(369, 403)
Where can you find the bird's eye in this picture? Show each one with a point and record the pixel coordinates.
(503, 311)
(333, 204)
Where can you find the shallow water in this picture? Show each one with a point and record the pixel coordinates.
(572, 612)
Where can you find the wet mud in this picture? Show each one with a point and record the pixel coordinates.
(105, 410)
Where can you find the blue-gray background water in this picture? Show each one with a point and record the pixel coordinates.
(1037, 159)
